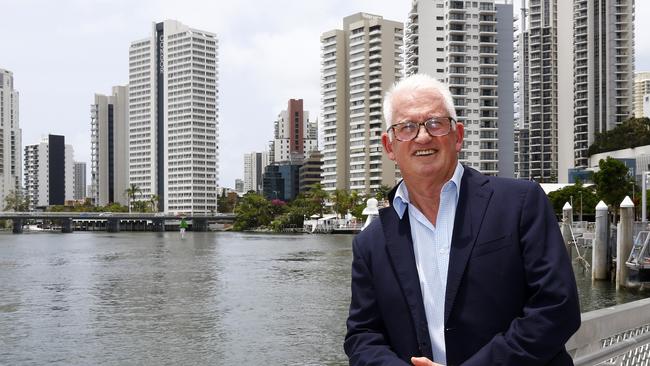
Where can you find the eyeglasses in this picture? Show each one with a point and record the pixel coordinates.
(407, 131)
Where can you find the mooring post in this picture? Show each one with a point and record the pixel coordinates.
(17, 226)
(199, 224)
(600, 270)
(624, 243)
(158, 225)
(66, 225)
(567, 221)
(113, 225)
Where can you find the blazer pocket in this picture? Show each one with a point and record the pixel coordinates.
(491, 245)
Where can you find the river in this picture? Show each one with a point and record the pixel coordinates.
(208, 299)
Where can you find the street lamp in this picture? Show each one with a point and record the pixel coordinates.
(644, 178)
(580, 205)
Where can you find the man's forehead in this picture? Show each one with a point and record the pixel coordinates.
(418, 102)
(417, 96)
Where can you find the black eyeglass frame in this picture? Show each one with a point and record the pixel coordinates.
(423, 123)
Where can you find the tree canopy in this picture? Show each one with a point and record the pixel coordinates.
(629, 134)
(253, 211)
(15, 200)
(575, 194)
(613, 182)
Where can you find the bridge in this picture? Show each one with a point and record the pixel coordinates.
(113, 221)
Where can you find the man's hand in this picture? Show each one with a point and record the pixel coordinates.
(423, 361)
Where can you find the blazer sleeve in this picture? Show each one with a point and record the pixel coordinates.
(551, 313)
(366, 340)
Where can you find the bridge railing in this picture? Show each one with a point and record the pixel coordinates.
(618, 335)
(107, 215)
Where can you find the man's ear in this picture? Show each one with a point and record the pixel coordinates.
(460, 134)
(388, 145)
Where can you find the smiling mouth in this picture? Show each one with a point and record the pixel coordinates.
(425, 152)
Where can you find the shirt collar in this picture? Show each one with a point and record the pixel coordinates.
(401, 199)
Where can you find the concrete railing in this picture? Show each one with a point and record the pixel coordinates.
(618, 335)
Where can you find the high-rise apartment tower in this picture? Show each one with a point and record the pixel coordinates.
(641, 90)
(173, 128)
(254, 164)
(109, 118)
(521, 117)
(359, 64)
(603, 68)
(49, 172)
(462, 44)
(294, 134)
(10, 138)
(546, 82)
(79, 189)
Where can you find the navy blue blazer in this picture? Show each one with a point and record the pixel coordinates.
(511, 297)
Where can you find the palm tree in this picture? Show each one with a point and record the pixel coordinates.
(381, 193)
(341, 202)
(131, 192)
(154, 202)
(317, 196)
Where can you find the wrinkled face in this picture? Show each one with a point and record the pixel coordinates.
(426, 157)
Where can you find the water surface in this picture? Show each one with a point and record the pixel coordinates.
(151, 298)
(210, 299)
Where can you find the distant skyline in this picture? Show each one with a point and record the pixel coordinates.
(62, 53)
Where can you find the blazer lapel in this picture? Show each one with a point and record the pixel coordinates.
(399, 245)
(473, 199)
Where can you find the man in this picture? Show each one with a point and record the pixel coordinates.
(462, 269)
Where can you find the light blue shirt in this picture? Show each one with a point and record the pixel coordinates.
(432, 245)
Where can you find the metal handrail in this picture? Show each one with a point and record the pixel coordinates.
(620, 333)
(633, 260)
(614, 351)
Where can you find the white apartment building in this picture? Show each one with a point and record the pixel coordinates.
(109, 118)
(546, 114)
(49, 172)
(359, 64)
(79, 185)
(469, 46)
(295, 136)
(10, 138)
(521, 117)
(173, 117)
(254, 164)
(646, 106)
(239, 186)
(641, 90)
(603, 69)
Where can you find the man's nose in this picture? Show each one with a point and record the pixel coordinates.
(423, 135)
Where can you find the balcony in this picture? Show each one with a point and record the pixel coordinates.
(486, 9)
(413, 14)
(456, 7)
(488, 19)
(486, 61)
(457, 40)
(457, 29)
(456, 49)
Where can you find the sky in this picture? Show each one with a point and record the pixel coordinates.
(63, 52)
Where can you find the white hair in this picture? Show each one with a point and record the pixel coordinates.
(418, 82)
